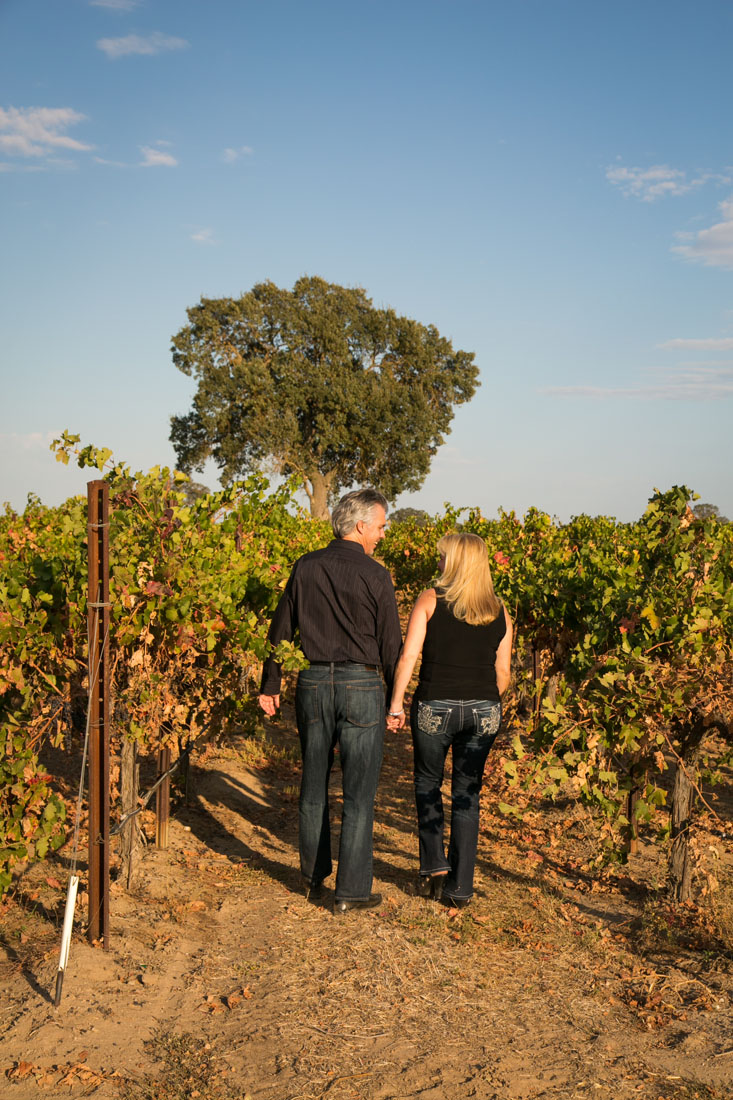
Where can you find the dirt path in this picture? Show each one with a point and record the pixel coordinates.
(223, 981)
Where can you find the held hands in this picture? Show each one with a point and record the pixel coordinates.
(395, 718)
(270, 704)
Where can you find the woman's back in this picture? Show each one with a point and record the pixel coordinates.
(459, 659)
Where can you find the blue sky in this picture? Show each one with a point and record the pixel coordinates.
(549, 183)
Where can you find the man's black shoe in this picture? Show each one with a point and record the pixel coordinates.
(361, 903)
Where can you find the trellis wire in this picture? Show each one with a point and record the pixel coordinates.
(144, 799)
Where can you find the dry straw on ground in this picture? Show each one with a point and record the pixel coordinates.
(224, 982)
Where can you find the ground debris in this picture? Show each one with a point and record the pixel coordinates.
(224, 982)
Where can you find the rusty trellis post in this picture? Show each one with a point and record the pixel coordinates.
(163, 799)
(98, 615)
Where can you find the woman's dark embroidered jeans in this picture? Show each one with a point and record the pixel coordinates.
(469, 727)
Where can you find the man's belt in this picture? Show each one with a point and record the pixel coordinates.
(358, 664)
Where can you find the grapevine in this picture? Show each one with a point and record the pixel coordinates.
(622, 664)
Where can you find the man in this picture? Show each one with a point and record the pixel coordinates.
(342, 603)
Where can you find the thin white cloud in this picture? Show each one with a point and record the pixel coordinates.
(39, 131)
(707, 343)
(714, 246)
(137, 44)
(156, 158)
(64, 164)
(29, 441)
(203, 236)
(110, 163)
(659, 181)
(705, 383)
(229, 156)
(6, 166)
(648, 184)
(115, 5)
(708, 363)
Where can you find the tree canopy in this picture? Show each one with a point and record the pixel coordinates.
(709, 511)
(404, 515)
(317, 383)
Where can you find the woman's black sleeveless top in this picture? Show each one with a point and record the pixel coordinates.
(459, 660)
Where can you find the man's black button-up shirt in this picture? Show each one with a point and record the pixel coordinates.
(343, 605)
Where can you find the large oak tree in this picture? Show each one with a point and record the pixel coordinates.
(317, 382)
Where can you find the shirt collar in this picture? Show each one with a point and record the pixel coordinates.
(348, 544)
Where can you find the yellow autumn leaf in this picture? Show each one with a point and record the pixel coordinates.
(650, 614)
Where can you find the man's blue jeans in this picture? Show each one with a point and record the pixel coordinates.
(344, 704)
(470, 726)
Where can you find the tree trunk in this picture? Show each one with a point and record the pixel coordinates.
(679, 879)
(130, 834)
(317, 487)
(552, 686)
(631, 838)
(184, 771)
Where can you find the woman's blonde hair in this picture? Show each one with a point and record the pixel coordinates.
(466, 583)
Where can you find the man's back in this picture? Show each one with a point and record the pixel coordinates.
(342, 604)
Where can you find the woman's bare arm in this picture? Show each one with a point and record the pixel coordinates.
(504, 657)
(411, 650)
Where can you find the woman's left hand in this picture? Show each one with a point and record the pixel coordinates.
(395, 721)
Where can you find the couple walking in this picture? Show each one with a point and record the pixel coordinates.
(343, 606)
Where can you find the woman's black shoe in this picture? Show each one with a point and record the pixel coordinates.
(455, 903)
(431, 886)
(314, 891)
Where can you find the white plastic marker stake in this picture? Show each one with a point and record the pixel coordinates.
(66, 936)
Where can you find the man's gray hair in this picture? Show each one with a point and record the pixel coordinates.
(355, 507)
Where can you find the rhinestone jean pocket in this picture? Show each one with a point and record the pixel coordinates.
(429, 719)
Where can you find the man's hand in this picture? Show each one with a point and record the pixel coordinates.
(270, 704)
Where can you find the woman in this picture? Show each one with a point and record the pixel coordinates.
(465, 637)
